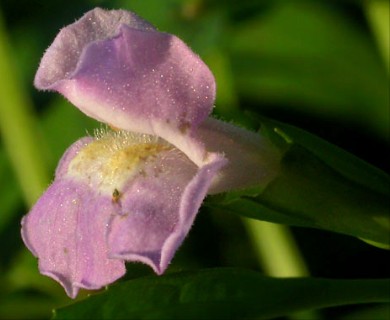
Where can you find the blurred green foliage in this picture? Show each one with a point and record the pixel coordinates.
(237, 291)
(314, 64)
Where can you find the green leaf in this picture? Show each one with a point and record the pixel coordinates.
(342, 162)
(222, 294)
(318, 186)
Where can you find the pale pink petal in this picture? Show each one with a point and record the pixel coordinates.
(116, 197)
(66, 230)
(61, 58)
(131, 77)
(159, 208)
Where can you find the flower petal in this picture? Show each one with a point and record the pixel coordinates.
(66, 230)
(61, 58)
(158, 209)
(119, 196)
(133, 78)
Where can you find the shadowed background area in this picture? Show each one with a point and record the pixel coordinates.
(319, 65)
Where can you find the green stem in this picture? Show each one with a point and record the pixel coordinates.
(279, 255)
(19, 129)
(276, 249)
(378, 14)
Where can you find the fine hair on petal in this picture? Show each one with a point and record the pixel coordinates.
(120, 139)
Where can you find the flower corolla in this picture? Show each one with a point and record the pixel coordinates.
(133, 192)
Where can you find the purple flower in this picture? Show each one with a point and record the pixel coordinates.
(132, 193)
